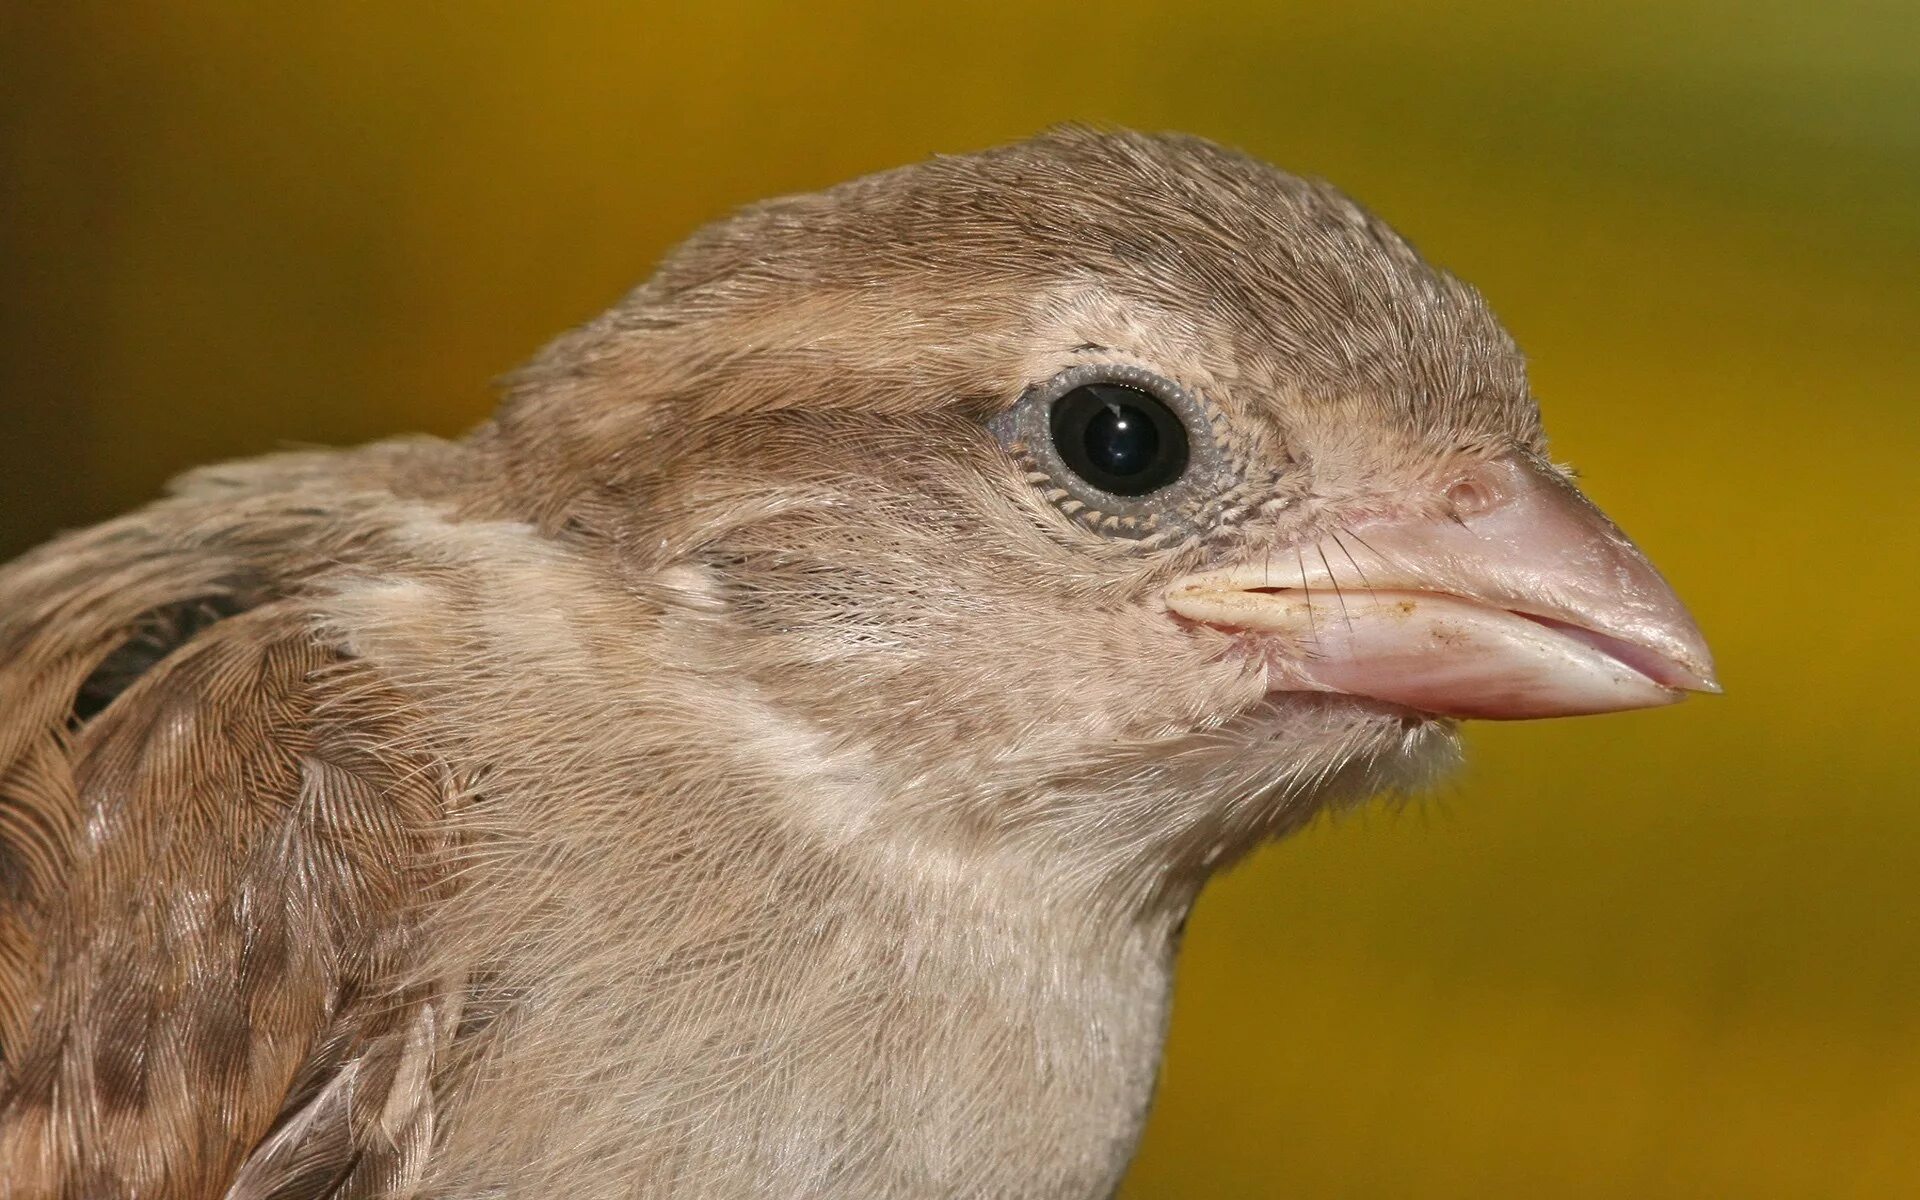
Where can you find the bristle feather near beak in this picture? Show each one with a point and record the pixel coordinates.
(1529, 603)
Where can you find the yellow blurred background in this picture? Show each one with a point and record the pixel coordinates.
(1673, 953)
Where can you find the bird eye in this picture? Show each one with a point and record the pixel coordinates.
(1122, 450)
(1119, 439)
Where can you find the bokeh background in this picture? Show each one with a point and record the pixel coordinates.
(1662, 954)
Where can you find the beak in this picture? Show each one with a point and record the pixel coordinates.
(1525, 602)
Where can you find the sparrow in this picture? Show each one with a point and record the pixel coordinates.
(777, 753)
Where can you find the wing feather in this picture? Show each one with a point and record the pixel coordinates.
(218, 838)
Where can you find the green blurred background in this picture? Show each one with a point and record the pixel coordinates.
(1674, 953)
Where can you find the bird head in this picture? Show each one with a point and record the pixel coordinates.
(1103, 490)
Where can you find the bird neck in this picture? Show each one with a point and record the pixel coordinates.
(705, 961)
(769, 1016)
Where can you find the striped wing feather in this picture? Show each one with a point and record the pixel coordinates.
(218, 839)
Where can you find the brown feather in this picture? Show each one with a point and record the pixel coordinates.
(731, 771)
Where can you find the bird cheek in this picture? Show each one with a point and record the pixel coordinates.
(1225, 669)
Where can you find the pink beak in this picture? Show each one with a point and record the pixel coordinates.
(1528, 602)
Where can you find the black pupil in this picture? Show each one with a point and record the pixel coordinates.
(1119, 439)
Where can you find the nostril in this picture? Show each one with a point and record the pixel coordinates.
(1469, 498)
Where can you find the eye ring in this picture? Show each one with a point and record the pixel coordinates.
(1163, 486)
